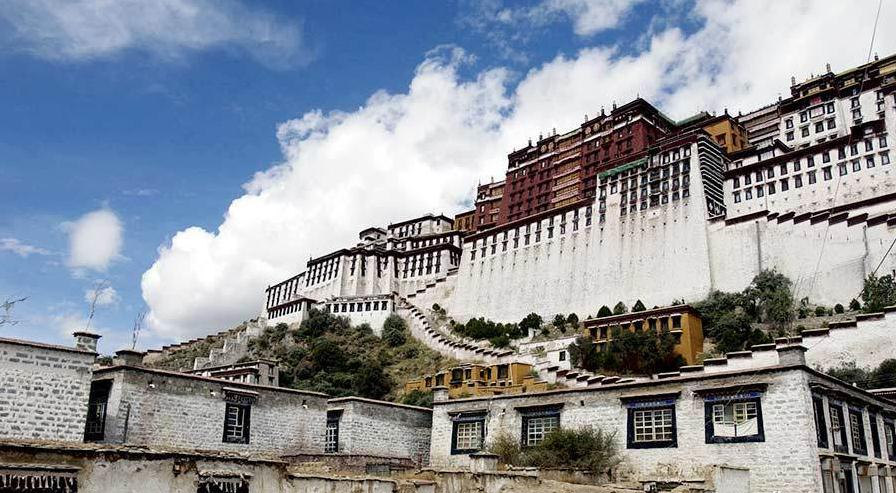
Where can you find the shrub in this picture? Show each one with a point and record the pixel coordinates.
(560, 322)
(587, 448)
(502, 341)
(878, 293)
(854, 305)
(820, 311)
(639, 307)
(620, 308)
(394, 331)
(436, 307)
(604, 312)
(420, 398)
(573, 320)
(530, 324)
(507, 448)
(838, 308)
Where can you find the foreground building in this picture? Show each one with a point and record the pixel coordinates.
(793, 428)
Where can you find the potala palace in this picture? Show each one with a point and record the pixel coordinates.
(634, 205)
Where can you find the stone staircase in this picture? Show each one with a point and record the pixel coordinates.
(446, 344)
(577, 377)
(234, 348)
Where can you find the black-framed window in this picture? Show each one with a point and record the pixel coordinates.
(331, 439)
(95, 426)
(651, 422)
(467, 433)
(211, 484)
(875, 435)
(821, 425)
(734, 418)
(890, 438)
(838, 427)
(538, 422)
(857, 432)
(236, 423)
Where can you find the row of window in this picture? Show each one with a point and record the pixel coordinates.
(285, 310)
(484, 246)
(651, 422)
(416, 265)
(843, 429)
(827, 173)
(358, 306)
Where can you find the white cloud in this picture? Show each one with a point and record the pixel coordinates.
(76, 30)
(95, 240)
(105, 295)
(141, 192)
(21, 249)
(423, 150)
(588, 16)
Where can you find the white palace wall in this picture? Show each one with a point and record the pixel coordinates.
(655, 255)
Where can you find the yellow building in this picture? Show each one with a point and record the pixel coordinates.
(682, 321)
(480, 380)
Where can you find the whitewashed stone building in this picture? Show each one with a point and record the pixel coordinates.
(794, 429)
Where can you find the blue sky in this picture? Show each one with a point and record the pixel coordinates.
(161, 129)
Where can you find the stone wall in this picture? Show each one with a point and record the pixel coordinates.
(656, 255)
(159, 408)
(44, 390)
(384, 429)
(786, 461)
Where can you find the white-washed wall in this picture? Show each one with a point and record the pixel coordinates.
(786, 461)
(655, 255)
(383, 429)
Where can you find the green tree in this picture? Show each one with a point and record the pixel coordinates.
(420, 398)
(838, 308)
(854, 305)
(820, 311)
(878, 293)
(573, 320)
(604, 312)
(639, 307)
(395, 331)
(620, 308)
(530, 324)
(560, 322)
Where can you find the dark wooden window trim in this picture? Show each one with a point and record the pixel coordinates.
(467, 418)
(710, 423)
(837, 407)
(246, 411)
(99, 393)
(860, 448)
(655, 402)
(528, 413)
(333, 417)
(875, 434)
(821, 422)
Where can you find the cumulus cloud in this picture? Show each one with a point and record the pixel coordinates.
(423, 149)
(95, 240)
(104, 295)
(21, 249)
(76, 30)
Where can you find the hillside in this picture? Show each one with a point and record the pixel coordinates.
(327, 354)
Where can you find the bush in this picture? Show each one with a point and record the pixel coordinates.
(573, 320)
(820, 311)
(560, 322)
(881, 377)
(420, 398)
(502, 341)
(436, 307)
(604, 312)
(620, 308)
(530, 324)
(639, 307)
(395, 331)
(584, 449)
(482, 329)
(878, 293)
(838, 308)
(854, 305)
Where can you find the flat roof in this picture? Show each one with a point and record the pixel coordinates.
(374, 401)
(133, 450)
(218, 381)
(663, 310)
(689, 377)
(42, 345)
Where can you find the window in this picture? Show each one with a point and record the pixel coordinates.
(857, 432)
(842, 168)
(94, 430)
(736, 183)
(783, 168)
(785, 185)
(856, 165)
(747, 179)
(562, 355)
(827, 173)
(796, 165)
(884, 158)
(236, 423)
(804, 117)
(826, 157)
(875, 436)
(869, 161)
(882, 141)
(798, 181)
(748, 194)
(736, 197)
(651, 423)
(788, 123)
(771, 172)
(889, 433)
(734, 418)
(771, 188)
(819, 127)
(331, 444)
(869, 145)
(821, 429)
(804, 131)
(810, 161)
(538, 423)
(831, 124)
(789, 136)
(838, 431)
(760, 191)
(468, 433)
